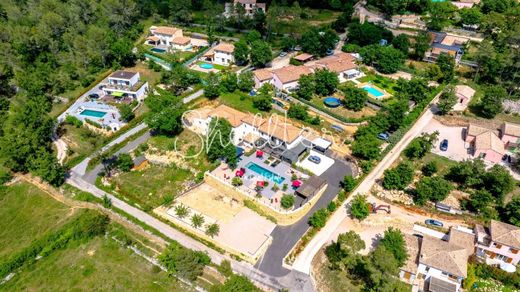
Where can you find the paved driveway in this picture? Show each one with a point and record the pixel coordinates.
(458, 149)
(316, 168)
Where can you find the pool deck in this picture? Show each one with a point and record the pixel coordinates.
(385, 93)
(111, 117)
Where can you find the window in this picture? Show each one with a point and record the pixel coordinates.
(501, 257)
(513, 251)
(498, 245)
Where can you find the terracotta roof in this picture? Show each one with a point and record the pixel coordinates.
(277, 127)
(152, 38)
(167, 30)
(263, 74)
(444, 256)
(245, 1)
(511, 129)
(181, 40)
(464, 91)
(474, 130)
(251, 138)
(225, 112)
(291, 73)
(463, 239)
(303, 57)
(413, 244)
(504, 233)
(489, 141)
(339, 65)
(225, 47)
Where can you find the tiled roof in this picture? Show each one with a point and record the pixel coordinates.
(123, 74)
(489, 141)
(511, 129)
(225, 47)
(303, 57)
(167, 30)
(263, 74)
(279, 128)
(181, 40)
(462, 239)
(504, 233)
(444, 256)
(225, 112)
(291, 73)
(474, 130)
(152, 38)
(413, 244)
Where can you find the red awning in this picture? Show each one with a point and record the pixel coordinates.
(296, 183)
(239, 173)
(259, 153)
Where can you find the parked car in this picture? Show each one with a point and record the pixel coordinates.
(433, 222)
(329, 52)
(383, 136)
(297, 48)
(444, 145)
(93, 96)
(283, 54)
(315, 159)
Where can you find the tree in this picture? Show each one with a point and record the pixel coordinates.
(298, 111)
(498, 181)
(393, 241)
(287, 201)
(470, 16)
(197, 220)
(237, 181)
(512, 211)
(440, 15)
(212, 230)
(107, 202)
(398, 178)
(241, 52)
(467, 173)
(491, 103)
(367, 34)
(252, 36)
(343, 254)
(288, 43)
(385, 59)
(348, 183)
(343, 20)
(402, 43)
(421, 146)
(122, 54)
(245, 81)
(260, 53)
(480, 200)
(416, 89)
(126, 112)
(220, 142)
(421, 45)
(212, 87)
(185, 263)
(307, 87)
(316, 41)
(263, 101)
(366, 147)
(165, 113)
(181, 211)
(228, 82)
(355, 98)
(359, 207)
(238, 283)
(429, 168)
(431, 189)
(325, 82)
(446, 101)
(447, 65)
(319, 218)
(124, 162)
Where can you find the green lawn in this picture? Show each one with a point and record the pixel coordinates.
(101, 264)
(443, 163)
(344, 112)
(380, 81)
(27, 213)
(216, 66)
(240, 101)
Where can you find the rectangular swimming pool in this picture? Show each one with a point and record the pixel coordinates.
(371, 90)
(93, 113)
(158, 50)
(265, 173)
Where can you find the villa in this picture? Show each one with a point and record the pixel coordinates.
(443, 43)
(286, 78)
(221, 54)
(250, 7)
(499, 245)
(164, 38)
(342, 64)
(125, 85)
(262, 76)
(491, 145)
(510, 134)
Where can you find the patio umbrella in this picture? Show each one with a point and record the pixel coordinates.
(259, 153)
(239, 173)
(296, 183)
(260, 183)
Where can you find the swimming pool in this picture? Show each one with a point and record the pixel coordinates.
(331, 101)
(206, 66)
(265, 173)
(92, 113)
(158, 50)
(371, 90)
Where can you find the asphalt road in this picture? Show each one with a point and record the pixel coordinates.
(285, 237)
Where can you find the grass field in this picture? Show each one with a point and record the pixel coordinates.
(344, 112)
(27, 213)
(101, 264)
(382, 82)
(81, 142)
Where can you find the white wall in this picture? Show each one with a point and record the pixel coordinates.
(421, 269)
(223, 58)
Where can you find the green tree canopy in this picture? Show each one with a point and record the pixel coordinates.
(307, 87)
(491, 103)
(241, 52)
(398, 178)
(367, 34)
(316, 41)
(393, 241)
(165, 113)
(220, 142)
(512, 211)
(402, 43)
(326, 82)
(260, 53)
(355, 98)
(359, 207)
(431, 189)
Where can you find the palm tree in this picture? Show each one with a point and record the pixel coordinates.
(212, 229)
(181, 211)
(197, 220)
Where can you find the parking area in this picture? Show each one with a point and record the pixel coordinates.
(458, 149)
(316, 168)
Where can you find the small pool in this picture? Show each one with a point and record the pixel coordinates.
(158, 50)
(92, 113)
(265, 173)
(371, 90)
(206, 66)
(332, 101)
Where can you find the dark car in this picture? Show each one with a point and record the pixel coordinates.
(433, 222)
(314, 159)
(383, 136)
(93, 95)
(444, 145)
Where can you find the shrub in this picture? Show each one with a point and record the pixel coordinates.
(342, 196)
(319, 218)
(236, 181)
(124, 162)
(287, 201)
(429, 168)
(348, 183)
(359, 207)
(72, 120)
(181, 211)
(197, 220)
(5, 176)
(225, 268)
(331, 207)
(185, 263)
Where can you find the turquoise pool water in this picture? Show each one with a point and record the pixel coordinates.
(206, 66)
(373, 91)
(265, 173)
(158, 50)
(92, 113)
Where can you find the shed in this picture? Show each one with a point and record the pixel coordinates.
(293, 155)
(321, 144)
(140, 162)
(303, 57)
(311, 187)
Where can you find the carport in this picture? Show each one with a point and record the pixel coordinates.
(310, 188)
(293, 155)
(321, 144)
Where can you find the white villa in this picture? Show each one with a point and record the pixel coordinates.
(166, 37)
(221, 54)
(126, 84)
(250, 7)
(499, 244)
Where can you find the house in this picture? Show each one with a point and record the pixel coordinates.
(181, 43)
(163, 35)
(221, 54)
(443, 43)
(464, 94)
(499, 244)
(489, 147)
(473, 131)
(262, 76)
(286, 78)
(510, 134)
(408, 271)
(342, 64)
(250, 7)
(126, 84)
